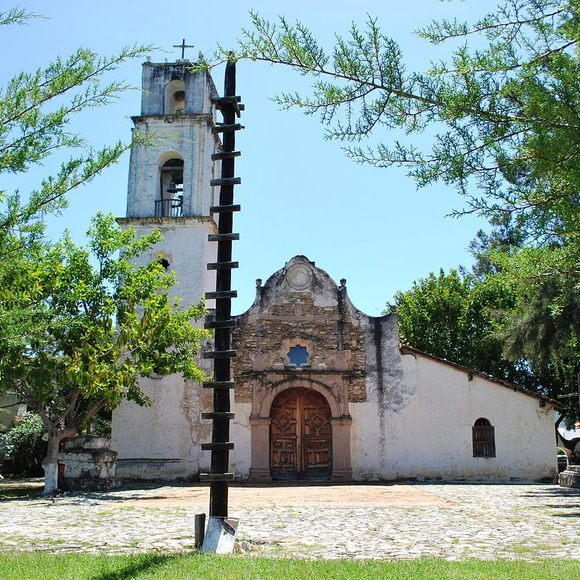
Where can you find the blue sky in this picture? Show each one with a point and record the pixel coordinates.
(299, 193)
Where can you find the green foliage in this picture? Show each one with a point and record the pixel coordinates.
(544, 324)
(101, 424)
(455, 316)
(15, 16)
(33, 126)
(36, 110)
(105, 322)
(505, 115)
(24, 444)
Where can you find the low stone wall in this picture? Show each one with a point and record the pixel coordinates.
(89, 463)
(570, 477)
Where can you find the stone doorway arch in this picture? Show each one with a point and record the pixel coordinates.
(261, 421)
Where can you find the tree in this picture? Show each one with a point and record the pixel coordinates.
(543, 327)
(455, 316)
(506, 114)
(74, 338)
(35, 111)
(103, 326)
(506, 122)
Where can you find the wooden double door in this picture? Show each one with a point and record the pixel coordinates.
(300, 436)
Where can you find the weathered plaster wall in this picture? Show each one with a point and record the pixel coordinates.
(240, 434)
(199, 88)
(388, 394)
(188, 137)
(429, 435)
(166, 433)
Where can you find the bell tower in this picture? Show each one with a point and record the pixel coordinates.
(169, 175)
(169, 189)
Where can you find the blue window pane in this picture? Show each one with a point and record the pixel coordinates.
(298, 356)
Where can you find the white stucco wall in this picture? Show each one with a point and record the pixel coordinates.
(240, 458)
(165, 436)
(430, 436)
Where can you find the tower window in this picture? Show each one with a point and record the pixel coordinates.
(483, 434)
(175, 97)
(298, 356)
(170, 203)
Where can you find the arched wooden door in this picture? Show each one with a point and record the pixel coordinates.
(300, 436)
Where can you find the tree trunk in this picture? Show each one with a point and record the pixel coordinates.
(50, 463)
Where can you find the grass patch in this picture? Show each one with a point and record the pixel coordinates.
(86, 566)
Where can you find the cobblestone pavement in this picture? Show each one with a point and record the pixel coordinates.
(315, 521)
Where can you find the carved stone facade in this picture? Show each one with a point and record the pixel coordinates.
(315, 315)
(300, 307)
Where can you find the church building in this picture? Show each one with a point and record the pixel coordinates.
(323, 391)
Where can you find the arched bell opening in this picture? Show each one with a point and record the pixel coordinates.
(300, 436)
(175, 97)
(170, 202)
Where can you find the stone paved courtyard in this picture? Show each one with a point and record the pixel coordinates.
(314, 521)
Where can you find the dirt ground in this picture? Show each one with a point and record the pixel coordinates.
(292, 495)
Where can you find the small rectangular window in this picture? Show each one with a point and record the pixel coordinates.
(483, 441)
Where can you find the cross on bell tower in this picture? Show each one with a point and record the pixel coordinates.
(183, 46)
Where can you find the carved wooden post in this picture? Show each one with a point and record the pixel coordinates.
(222, 354)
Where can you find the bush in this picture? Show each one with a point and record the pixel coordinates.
(24, 444)
(101, 424)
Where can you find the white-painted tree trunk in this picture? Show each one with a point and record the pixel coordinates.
(50, 463)
(50, 476)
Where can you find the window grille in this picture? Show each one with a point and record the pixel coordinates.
(483, 438)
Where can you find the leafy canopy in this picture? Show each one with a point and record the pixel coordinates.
(505, 115)
(106, 322)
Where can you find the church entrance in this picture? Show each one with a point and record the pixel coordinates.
(300, 436)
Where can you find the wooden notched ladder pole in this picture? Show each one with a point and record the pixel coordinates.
(222, 323)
